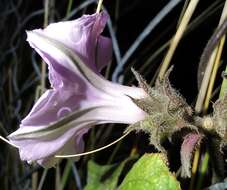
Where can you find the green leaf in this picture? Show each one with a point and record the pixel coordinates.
(150, 172)
(103, 177)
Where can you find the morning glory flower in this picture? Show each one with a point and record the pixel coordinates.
(79, 97)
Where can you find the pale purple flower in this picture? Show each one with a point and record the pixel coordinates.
(80, 97)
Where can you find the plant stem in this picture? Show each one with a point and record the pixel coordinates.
(114, 152)
(194, 168)
(203, 171)
(210, 72)
(34, 180)
(183, 12)
(175, 41)
(57, 178)
(223, 86)
(69, 7)
(42, 179)
(99, 6)
(214, 73)
(66, 173)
